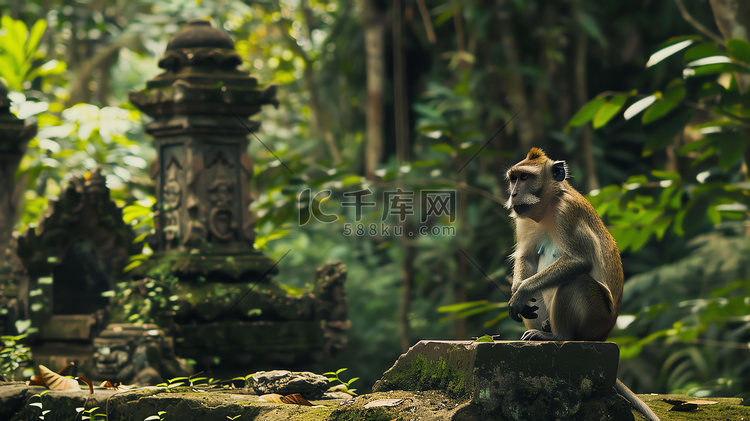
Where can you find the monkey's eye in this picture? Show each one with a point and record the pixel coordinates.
(512, 178)
(524, 176)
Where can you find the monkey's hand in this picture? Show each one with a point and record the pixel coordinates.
(514, 286)
(518, 307)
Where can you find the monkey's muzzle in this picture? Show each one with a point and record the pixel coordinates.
(521, 209)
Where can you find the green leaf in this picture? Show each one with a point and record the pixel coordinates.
(609, 110)
(666, 175)
(668, 51)
(351, 180)
(485, 338)
(704, 68)
(451, 308)
(638, 106)
(640, 238)
(730, 147)
(591, 27)
(587, 112)
(659, 110)
(703, 50)
(442, 147)
(695, 214)
(739, 49)
(713, 215)
(14, 40)
(132, 265)
(35, 35)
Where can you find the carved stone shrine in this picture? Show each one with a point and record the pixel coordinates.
(222, 304)
(200, 106)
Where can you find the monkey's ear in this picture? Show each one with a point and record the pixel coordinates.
(559, 170)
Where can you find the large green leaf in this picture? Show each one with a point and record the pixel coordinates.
(712, 66)
(35, 35)
(639, 106)
(730, 146)
(609, 110)
(587, 112)
(739, 49)
(672, 47)
(658, 110)
(703, 50)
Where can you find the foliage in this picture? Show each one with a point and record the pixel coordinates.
(143, 301)
(694, 320)
(334, 376)
(703, 117)
(483, 82)
(36, 401)
(91, 414)
(191, 381)
(13, 355)
(19, 53)
(699, 301)
(158, 417)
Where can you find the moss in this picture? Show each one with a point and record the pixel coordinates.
(724, 409)
(191, 266)
(425, 374)
(375, 414)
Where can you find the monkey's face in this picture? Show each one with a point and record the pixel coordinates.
(525, 191)
(534, 184)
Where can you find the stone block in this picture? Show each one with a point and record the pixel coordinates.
(514, 379)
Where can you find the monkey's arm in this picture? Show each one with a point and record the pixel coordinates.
(523, 268)
(561, 271)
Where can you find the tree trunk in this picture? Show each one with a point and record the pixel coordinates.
(400, 95)
(733, 19)
(407, 287)
(513, 79)
(581, 93)
(374, 39)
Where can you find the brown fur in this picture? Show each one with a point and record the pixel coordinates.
(580, 292)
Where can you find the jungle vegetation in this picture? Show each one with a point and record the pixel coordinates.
(646, 100)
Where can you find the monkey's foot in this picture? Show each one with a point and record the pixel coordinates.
(537, 335)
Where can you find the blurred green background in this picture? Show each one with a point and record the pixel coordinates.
(646, 100)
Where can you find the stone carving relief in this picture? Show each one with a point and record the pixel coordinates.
(172, 199)
(222, 222)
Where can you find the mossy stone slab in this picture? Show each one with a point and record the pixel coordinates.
(515, 379)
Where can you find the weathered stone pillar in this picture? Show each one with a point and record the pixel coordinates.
(200, 106)
(14, 133)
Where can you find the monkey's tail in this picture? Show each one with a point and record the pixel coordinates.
(633, 399)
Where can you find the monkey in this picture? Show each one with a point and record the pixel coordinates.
(567, 272)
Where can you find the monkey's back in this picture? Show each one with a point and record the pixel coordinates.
(585, 229)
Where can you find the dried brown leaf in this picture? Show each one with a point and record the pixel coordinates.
(67, 369)
(295, 399)
(88, 382)
(36, 380)
(272, 398)
(109, 385)
(55, 381)
(702, 402)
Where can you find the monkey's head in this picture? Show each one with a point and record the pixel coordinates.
(534, 183)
